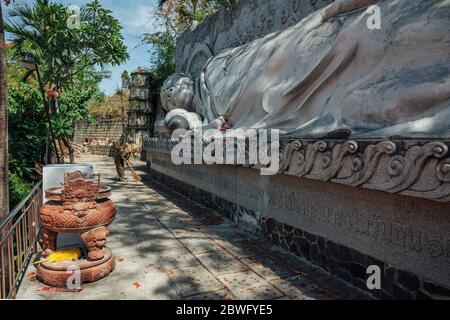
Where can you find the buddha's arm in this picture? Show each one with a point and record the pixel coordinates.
(343, 6)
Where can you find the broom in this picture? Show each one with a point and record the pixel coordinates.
(136, 177)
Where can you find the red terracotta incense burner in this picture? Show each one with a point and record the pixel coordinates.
(80, 206)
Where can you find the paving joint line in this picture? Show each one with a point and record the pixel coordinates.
(224, 248)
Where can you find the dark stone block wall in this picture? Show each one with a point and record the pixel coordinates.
(349, 264)
(344, 262)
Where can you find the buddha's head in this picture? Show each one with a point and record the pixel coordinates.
(177, 92)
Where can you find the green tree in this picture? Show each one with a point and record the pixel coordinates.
(172, 18)
(162, 56)
(72, 105)
(27, 127)
(28, 131)
(64, 50)
(181, 14)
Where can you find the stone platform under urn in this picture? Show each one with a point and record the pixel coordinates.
(80, 206)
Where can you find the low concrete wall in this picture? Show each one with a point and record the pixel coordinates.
(231, 27)
(101, 130)
(340, 228)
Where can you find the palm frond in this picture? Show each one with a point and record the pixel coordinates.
(161, 3)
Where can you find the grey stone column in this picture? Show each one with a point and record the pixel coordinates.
(140, 114)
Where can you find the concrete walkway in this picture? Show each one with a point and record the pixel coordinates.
(168, 247)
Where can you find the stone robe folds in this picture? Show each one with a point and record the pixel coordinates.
(331, 75)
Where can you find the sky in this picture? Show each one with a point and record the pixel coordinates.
(135, 16)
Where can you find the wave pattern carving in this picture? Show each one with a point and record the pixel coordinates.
(417, 168)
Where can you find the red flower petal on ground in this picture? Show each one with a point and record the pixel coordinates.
(51, 289)
(170, 271)
(136, 284)
(43, 289)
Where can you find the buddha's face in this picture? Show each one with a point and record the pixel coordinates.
(177, 92)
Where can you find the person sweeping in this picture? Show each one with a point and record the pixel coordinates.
(121, 153)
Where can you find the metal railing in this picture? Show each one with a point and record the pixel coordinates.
(18, 241)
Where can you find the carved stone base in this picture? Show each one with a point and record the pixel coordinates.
(48, 241)
(95, 240)
(57, 274)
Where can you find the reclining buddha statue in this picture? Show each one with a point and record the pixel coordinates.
(332, 75)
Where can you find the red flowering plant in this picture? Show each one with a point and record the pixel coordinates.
(51, 92)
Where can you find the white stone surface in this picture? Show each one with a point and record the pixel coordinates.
(332, 74)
